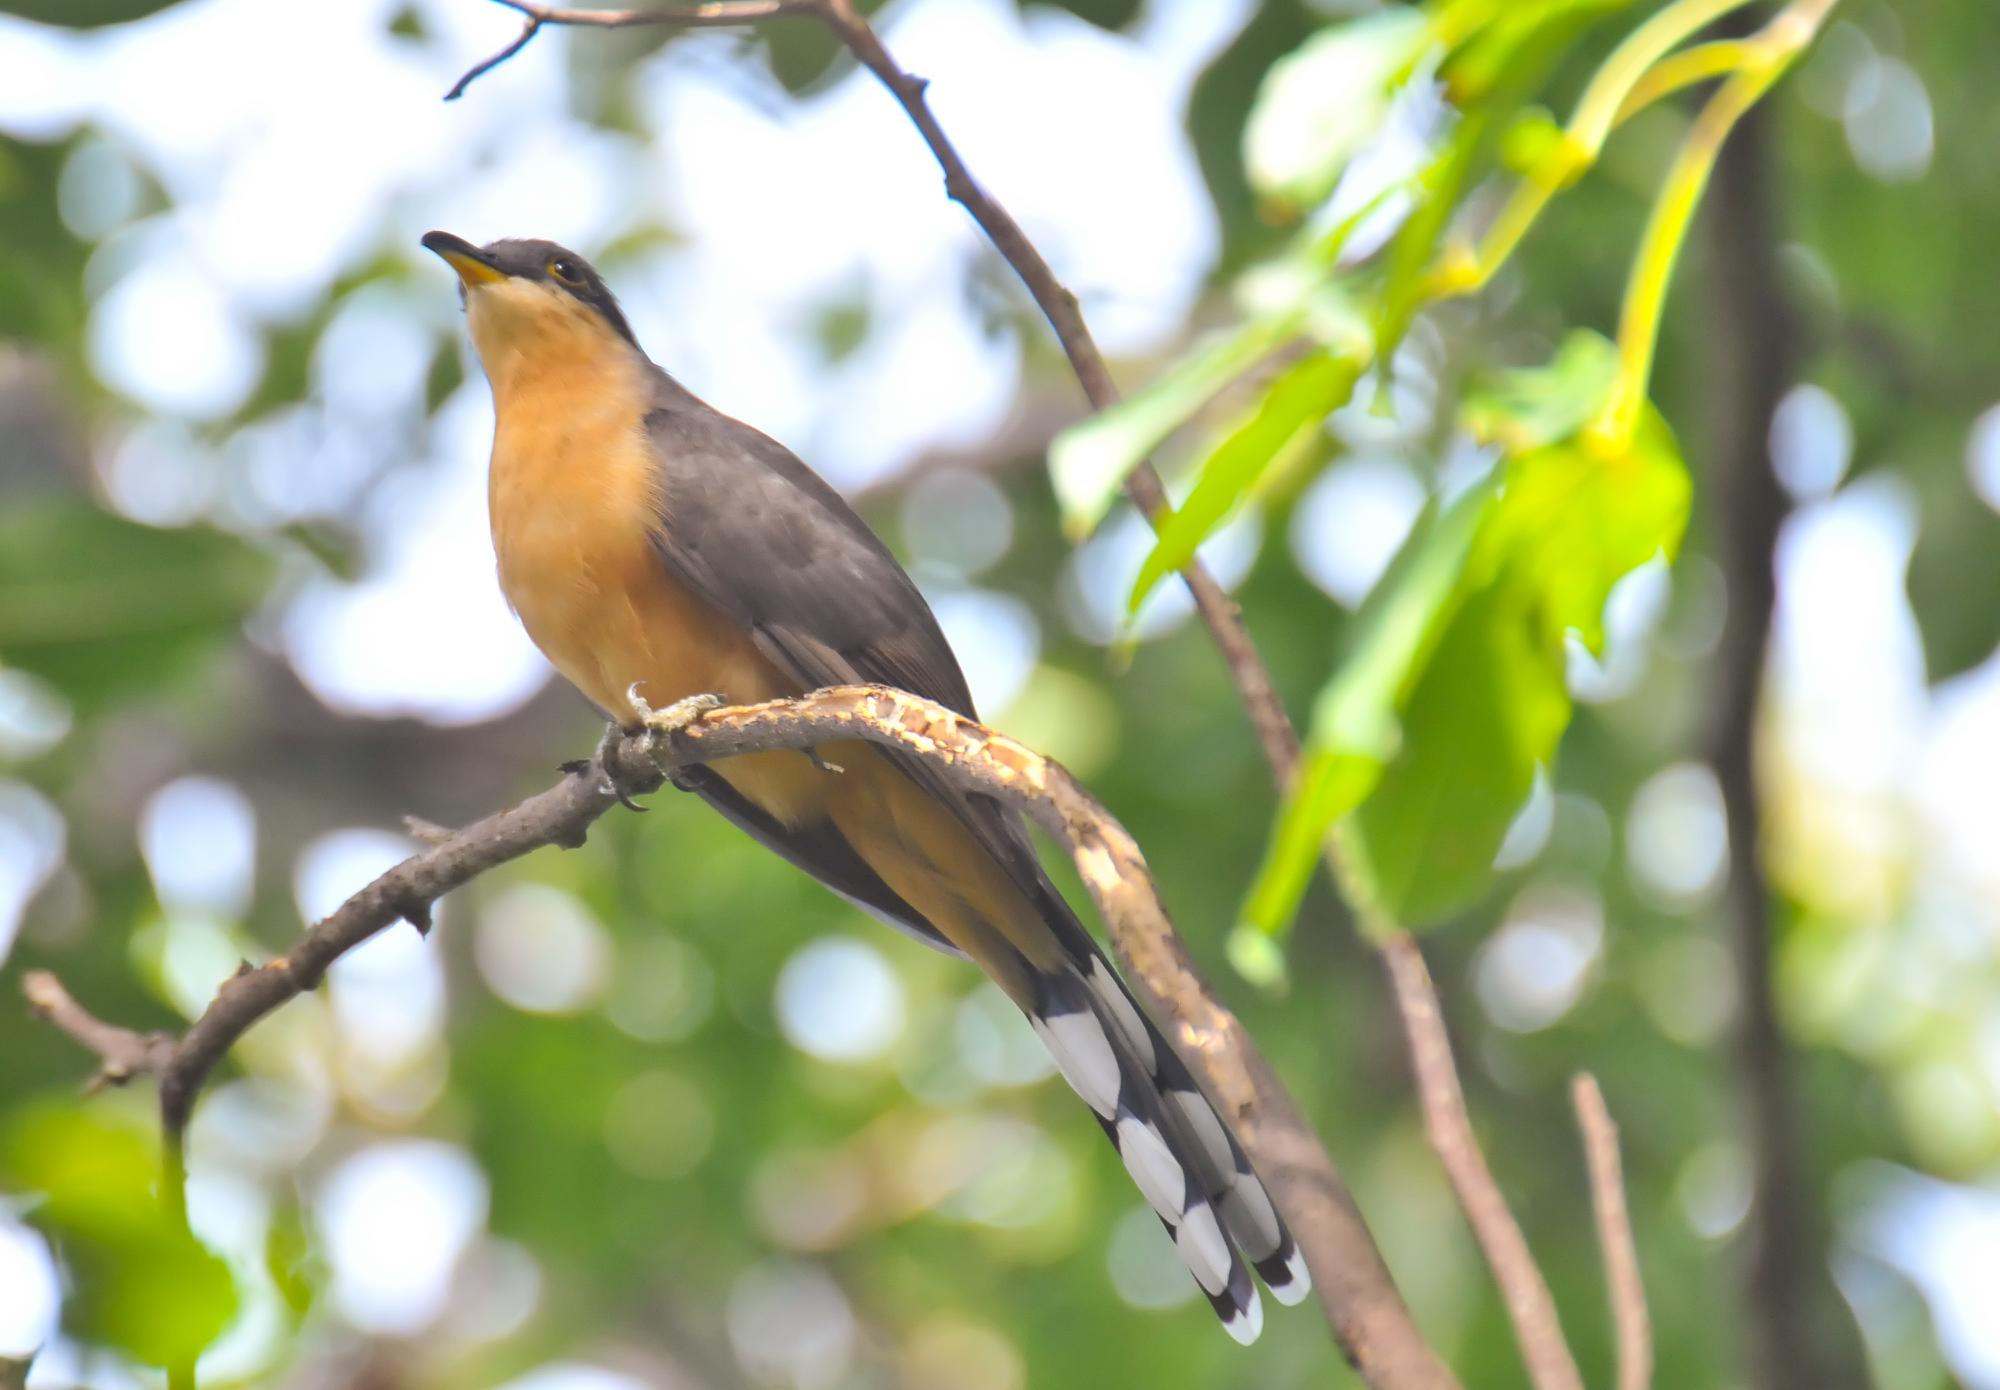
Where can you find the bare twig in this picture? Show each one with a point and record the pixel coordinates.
(1614, 1234)
(406, 892)
(709, 16)
(425, 831)
(1529, 1304)
(1059, 306)
(123, 1054)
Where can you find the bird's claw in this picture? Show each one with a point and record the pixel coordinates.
(675, 717)
(607, 759)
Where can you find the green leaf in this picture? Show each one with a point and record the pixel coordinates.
(1356, 726)
(1276, 428)
(1588, 518)
(140, 1282)
(1489, 705)
(1427, 736)
(1398, 626)
(1319, 104)
(802, 56)
(85, 14)
(1330, 785)
(1105, 14)
(290, 1261)
(99, 605)
(1492, 701)
(1527, 409)
(1089, 460)
(1582, 521)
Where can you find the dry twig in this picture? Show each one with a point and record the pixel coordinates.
(122, 1054)
(1614, 1234)
(1551, 1366)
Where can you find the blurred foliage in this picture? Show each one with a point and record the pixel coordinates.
(143, 1284)
(106, 609)
(652, 1164)
(84, 14)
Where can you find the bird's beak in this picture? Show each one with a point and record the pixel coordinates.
(474, 266)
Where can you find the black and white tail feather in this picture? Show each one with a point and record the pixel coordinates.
(1182, 1157)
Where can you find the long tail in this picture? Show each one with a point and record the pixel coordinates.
(1176, 1147)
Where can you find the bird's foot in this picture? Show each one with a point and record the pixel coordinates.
(812, 754)
(675, 717)
(606, 761)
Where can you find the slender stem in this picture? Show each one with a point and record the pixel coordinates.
(173, 1200)
(1685, 69)
(1622, 1279)
(1530, 1306)
(714, 14)
(1610, 89)
(1581, 142)
(1773, 51)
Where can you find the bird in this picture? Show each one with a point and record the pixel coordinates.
(666, 558)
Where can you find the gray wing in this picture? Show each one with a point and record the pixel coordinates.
(766, 540)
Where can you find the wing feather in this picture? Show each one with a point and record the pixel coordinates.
(758, 534)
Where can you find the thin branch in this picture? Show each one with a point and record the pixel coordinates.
(530, 27)
(559, 816)
(1614, 1234)
(123, 1054)
(713, 15)
(1059, 306)
(709, 16)
(1529, 1303)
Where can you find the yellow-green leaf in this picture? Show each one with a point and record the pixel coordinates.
(140, 1282)
(1318, 105)
(1089, 461)
(1277, 427)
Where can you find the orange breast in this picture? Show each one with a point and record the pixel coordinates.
(573, 502)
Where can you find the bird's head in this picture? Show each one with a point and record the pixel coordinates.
(531, 303)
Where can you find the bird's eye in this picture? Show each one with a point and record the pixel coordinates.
(563, 268)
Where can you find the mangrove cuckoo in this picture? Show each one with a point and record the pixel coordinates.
(658, 551)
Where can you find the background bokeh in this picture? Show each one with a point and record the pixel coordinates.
(658, 1112)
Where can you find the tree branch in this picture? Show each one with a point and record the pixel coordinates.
(710, 16)
(406, 892)
(1359, 1297)
(1529, 1304)
(1614, 1234)
(122, 1053)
